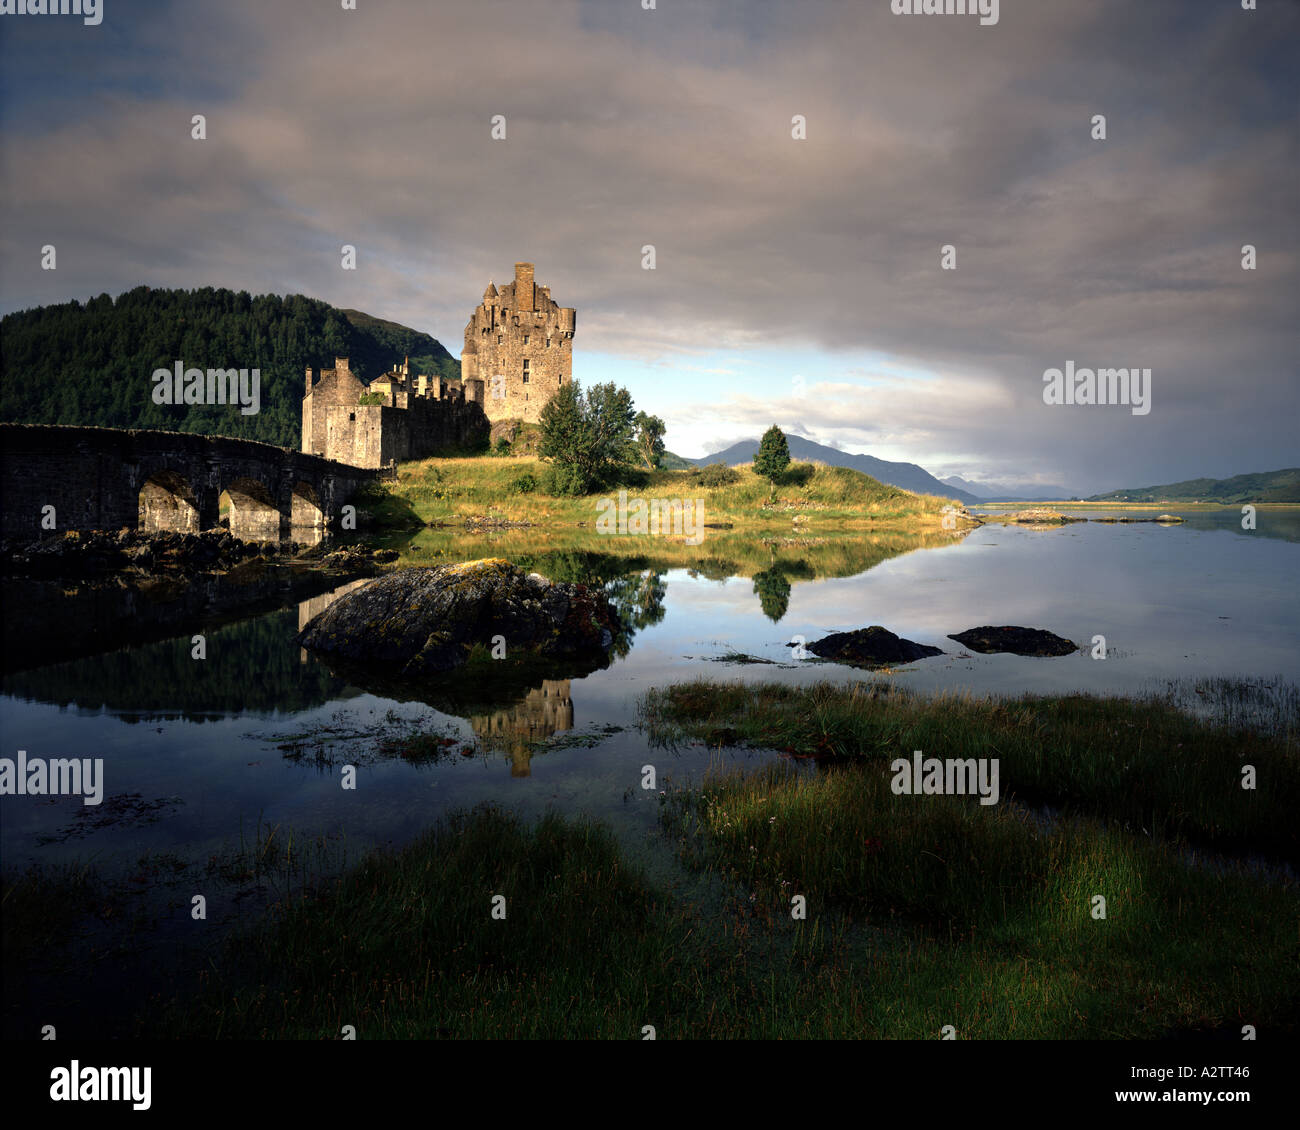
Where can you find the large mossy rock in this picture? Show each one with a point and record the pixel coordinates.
(418, 622)
(1018, 641)
(870, 647)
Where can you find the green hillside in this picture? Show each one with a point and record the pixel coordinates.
(92, 363)
(1262, 486)
(671, 462)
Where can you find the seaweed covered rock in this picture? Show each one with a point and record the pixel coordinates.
(417, 622)
(870, 647)
(1018, 641)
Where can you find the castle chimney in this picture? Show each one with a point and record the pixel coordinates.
(341, 363)
(524, 286)
(309, 378)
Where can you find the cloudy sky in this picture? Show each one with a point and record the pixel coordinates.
(796, 281)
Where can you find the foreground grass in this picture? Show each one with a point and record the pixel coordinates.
(1143, 763)
(921, 911)
(453, 490)
(82, 941)
(39, 907)
(1014, 947)
(405, 945)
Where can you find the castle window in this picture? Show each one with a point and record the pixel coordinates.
(525, 339)
(352, 415)
(525, 370)
(500, 338)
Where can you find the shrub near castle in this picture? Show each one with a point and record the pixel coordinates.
(587, 438)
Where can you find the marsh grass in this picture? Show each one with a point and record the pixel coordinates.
(1250, 705)
(1145, 764)
(1006, 903)
(83, 944)
(41, 906)
(404, 946)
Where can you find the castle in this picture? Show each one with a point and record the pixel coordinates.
(519, 344)
(518, 352)
(402, 417)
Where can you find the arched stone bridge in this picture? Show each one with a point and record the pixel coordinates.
(106, 478)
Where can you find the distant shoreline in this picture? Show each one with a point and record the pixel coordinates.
(1134, 505)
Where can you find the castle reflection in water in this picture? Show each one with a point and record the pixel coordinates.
(543, 712)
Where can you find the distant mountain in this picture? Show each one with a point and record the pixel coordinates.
(908, 476)
(957, 482)
(1262, 486)
(1011, 492)
(92, 363)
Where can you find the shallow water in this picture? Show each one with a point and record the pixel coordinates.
(201, 737)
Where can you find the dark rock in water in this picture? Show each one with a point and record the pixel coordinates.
(420, 621)
(1018, 641)
(870, 647)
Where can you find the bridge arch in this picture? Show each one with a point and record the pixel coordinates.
(253, 514)
(168, 501)
(307, 511)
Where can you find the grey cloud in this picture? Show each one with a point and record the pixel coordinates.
(674, 130)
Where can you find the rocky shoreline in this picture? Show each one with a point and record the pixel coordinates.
(128, 551)
(1043, 519)
(415, 622)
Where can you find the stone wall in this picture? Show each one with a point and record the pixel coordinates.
(408, 425)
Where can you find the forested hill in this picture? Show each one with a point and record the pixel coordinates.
(93, 363)
(1262, 486)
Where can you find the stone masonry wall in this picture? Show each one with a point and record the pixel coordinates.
(407, 426)
(522, 335)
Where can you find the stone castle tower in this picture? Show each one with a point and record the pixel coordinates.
(519, 344)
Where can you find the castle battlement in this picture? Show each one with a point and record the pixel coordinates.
(404, 416)
(518, 353)
(519, 344)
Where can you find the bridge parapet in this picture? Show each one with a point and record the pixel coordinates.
(56, 478)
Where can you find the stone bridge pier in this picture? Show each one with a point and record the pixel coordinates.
(55, 479)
